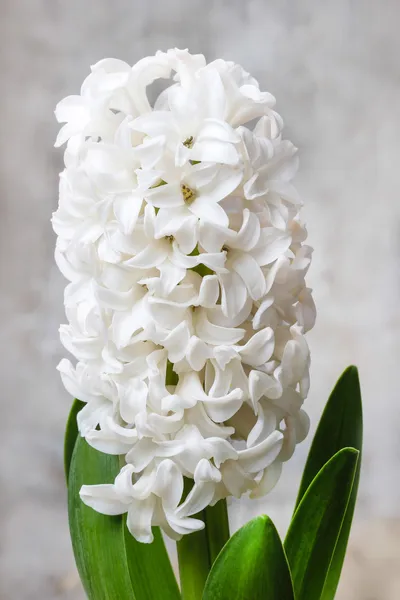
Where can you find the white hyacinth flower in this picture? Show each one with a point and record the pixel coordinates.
(178, 229)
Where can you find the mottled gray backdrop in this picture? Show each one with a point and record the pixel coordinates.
(334, 68)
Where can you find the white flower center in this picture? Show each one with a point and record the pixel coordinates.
(189, 142)
(188, 194)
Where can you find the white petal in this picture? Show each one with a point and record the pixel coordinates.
(180, 259)
(224, 354)
(255, 187)
(259, 348)
(139, 521)
(284, 163)
(91, 414)
(246, 266)
(103, 499)
(186, 235)
(212, 237)
(155, 123)
(302, 426)
(152, 256)
(223, 408)
(168, 195)
(148, 179)
(294, 362)
(219, 450)
(73, 384)
(133, 400)
(219, 408)
(198, 416)
(72, 108)
(169, 484)
(177, 342)
(289, 402)
(170, 276)
(269, 480)
(272, 244)
(215, 151)
(248, 234)
(168, 314)
(305, 310)
(262, 384)
(125, 324)
(208, 210)
(182, 525)
(235, 478)
(209, 291)
(205, 471)
(224, 183)
(108, 441)
(259, 457)
(197, 353)
(265, 426)
(182, 155)
(111, 65)
(218, 130)
(166, 424)
(113, 299)
(258, 319)
(289, 440)
(150, 152)
(199, 497)
(141, 454)
(143, 73)
(126, 209)
(123, 482)
(214, 93)
(233, 294)
(214, 334)
(177, 402)
(169, 220)
(215, 262)
(202, 493)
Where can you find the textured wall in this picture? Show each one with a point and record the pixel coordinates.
(334, 69)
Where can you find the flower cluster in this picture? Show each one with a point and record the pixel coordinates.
(178, 231)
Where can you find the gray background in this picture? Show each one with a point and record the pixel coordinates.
(334, 68)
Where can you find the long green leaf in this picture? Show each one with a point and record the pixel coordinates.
(71, 433)
(251, 566)
(315, 527)
(341, 426)
(112, 565)
(97, 540)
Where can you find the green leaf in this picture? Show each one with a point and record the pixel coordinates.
(340, 426)
(251, 566)
(315, 527)
(71, 433)
(111, 563)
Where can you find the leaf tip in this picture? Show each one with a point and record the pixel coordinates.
(349, 450)
(351, 370)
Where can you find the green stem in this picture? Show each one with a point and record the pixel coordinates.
(194, 563)
(197, 551)
(217, 528)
